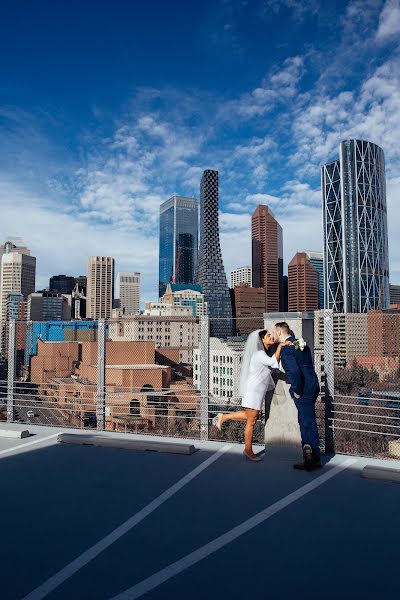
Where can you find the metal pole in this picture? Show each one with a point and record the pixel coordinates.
(329, 371)
(101, 372)
(12, 332)
(204, 375)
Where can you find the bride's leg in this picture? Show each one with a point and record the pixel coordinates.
(237, 415)
(251, 420)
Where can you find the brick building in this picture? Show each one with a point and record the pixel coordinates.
(302, 284)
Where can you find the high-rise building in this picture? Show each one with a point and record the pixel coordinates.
(129, 293)
(13, 244)
(267, 257)
(18, 272)
(100, 287)
(241, 275)
(356, 260)
(49, 306)
(248, 308)
(394, 294)
(302, 284)
(317, 261)
(211, 273)
(179, 224)
(62, 283)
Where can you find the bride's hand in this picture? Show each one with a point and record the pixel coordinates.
(287, 343)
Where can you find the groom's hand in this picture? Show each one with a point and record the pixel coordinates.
(297, 396)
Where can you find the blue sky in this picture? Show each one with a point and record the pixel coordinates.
(107, 109)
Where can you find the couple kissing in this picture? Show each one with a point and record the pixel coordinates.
(263, 352)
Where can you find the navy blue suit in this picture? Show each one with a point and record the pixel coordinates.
(303, 381)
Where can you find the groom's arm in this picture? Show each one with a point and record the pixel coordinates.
(293, 372)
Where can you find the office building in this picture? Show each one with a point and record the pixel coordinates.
(164, 327)
(224, 370)
(248, 308)
(129, 293)
(317, 261)
(394, 294)
(267, 257)
(186, 295)
(49, 306)
(100, 287)
(18, 272)
(211, 273)
(356, 259)
(241, 275)
(62, 283)
(302, 284)
(179, 224)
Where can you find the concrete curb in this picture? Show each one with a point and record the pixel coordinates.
(14, 433)
(113, 442)
(381, 473)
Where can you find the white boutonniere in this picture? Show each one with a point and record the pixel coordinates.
(299, 344)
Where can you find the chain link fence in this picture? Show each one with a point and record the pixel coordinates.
(167, 376)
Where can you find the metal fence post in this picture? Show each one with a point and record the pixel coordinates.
(204, 375)
(101, 372)
(11, 337)
(329, 371)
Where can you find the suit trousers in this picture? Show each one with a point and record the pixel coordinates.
(307, 421)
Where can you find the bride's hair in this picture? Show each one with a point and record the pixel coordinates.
(272, 349)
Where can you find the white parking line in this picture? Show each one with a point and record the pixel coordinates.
(56, 580)
(23, 445)
(191, 559)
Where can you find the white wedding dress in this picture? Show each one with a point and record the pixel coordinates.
(255, 375)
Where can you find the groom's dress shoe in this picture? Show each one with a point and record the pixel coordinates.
(308, 466)
(310, 463)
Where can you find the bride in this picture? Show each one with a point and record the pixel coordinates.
(260, 355)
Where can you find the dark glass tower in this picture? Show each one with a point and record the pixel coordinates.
(179, 223)
(211, 273)
(62, 283)
(356, 262)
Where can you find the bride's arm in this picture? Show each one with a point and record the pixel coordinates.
(279, 349)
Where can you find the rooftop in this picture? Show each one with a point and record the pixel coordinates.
(85, 522)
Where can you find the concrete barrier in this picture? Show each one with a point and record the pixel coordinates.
(128, 444)
(382, 473)
(14, 433)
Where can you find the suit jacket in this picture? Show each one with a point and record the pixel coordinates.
(299, 368)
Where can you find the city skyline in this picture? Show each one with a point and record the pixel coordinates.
(87, 172)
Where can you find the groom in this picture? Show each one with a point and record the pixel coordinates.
(304, 389)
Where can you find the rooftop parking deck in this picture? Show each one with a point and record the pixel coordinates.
(82, 522)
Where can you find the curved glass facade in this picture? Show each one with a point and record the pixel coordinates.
(355, 229)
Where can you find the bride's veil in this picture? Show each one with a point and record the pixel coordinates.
(252, 345)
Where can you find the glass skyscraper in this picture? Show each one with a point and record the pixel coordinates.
(356, 262)
(211, 273)
(179, 224)
(317, 261)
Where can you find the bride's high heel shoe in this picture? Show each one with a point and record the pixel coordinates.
(252, 458)
(217, 421)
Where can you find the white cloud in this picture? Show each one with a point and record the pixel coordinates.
(389, 22)
(279, 86)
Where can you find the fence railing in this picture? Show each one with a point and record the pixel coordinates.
(168, 376)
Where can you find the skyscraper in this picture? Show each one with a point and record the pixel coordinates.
(356, 260)
(241, 275)
(179, 224)
(302, 284)
(317, 261)
(267, 257)
(211, 273)
(100, 287)
(129, 293)
(18, 273)
(62, 283)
